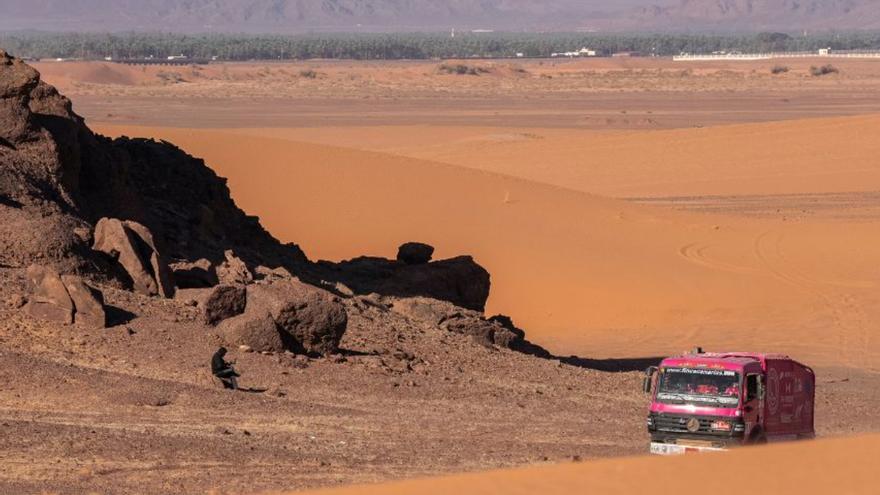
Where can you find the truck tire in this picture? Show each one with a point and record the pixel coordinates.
(758, 438)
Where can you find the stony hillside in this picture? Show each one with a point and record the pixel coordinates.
(57, 178)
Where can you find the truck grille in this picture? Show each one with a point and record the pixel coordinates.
(671, 423)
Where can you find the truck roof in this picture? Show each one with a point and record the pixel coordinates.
(725, 360)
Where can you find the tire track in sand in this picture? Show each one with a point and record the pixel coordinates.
(848, 318)
(695, 253)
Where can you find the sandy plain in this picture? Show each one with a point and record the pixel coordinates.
(625, 208)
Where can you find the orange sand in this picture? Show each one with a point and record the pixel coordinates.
(846, 466)
(585, 274)
(806, 156)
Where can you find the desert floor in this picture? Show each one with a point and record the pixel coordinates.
(626, 209)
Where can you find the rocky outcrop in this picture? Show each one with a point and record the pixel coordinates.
(151, 202)
(430, 311)
(56, 176)
(198, 274)
(223, 302)
(158, 264)
(310, 320)
(88, 303)
(64, 299)
(495, 331)
(234, 270)
(272, 274)
(487, 332)
(256, 330)
(49, 298)
(415, 253)
(131, 245)
(460, 281)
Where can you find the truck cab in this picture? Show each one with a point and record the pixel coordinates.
(704, 401)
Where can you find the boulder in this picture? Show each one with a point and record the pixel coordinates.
(194, 275)
(17, 80)
(160, 270)
(49, 298)
(256, 330)
(313, 320)
(509, 336)
(480, 329)
(88, 303)
(460, 281)
(224, 301)
(498, 330)
(131, 245)
(423, 309)
(506, 338)
(415, 253)
(278, 273)
(234, 271)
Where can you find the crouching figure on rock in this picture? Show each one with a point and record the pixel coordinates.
(223, 370)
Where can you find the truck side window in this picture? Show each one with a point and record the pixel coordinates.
(751, 387)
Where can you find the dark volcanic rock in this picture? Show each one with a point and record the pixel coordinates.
(482, 330)
(460, 281)
(415, 253)
(313, 320)
(57, 176)
(498, 330)
(17, 80)
(256, 330)
(224, 301)
(198, 274)
(49, 298)
(88, 302)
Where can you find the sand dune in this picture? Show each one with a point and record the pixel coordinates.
(582, 273)
(790, 157)
(844, 465)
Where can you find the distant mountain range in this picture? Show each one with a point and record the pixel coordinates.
(760, 15)
(297, 16)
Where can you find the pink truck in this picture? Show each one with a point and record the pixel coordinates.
(706, 401)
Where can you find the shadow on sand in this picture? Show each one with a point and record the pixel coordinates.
(616, 365)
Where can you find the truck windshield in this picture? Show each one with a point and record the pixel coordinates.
(698, 386)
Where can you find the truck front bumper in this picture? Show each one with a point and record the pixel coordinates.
(676, 449)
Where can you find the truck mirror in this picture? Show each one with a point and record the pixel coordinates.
(648, 380)
(760, 388)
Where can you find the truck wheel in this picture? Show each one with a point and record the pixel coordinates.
(758, 439)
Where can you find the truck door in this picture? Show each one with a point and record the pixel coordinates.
(752, 403)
